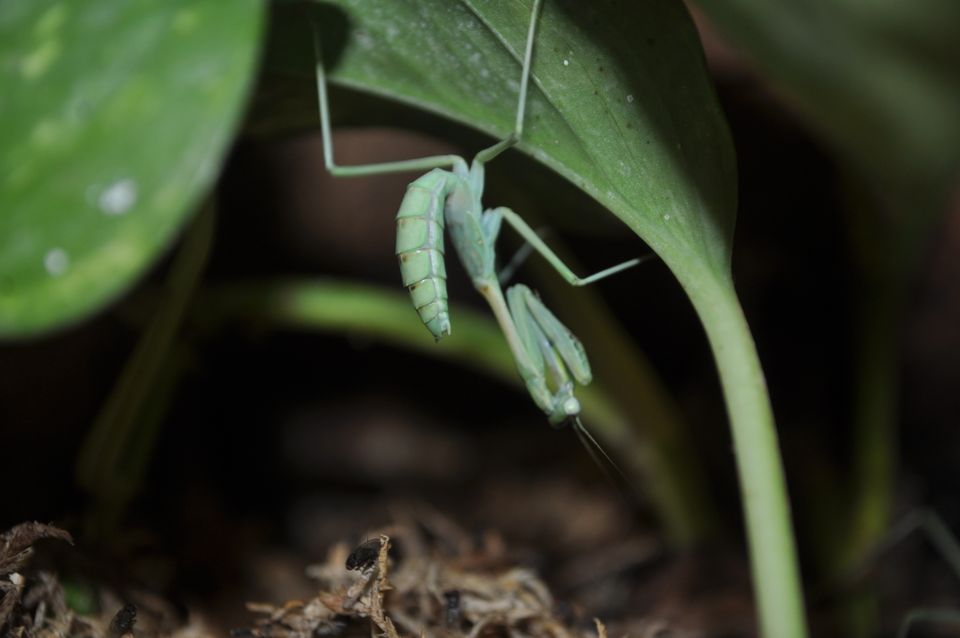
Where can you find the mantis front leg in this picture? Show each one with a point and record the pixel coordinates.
(546, 352)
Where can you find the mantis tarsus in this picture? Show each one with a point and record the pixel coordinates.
(548, 356)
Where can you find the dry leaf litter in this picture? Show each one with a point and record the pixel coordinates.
(429, 591)
(439, 585)
(34, 604)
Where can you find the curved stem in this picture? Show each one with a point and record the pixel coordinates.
(115, 452)
(875, 423)
(774, 565)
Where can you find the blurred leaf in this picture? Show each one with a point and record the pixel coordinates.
(114, 118)
(385, 314)
(116, 452)
(621, 104)
(879, 79)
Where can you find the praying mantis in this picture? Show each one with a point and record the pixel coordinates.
(549, 358)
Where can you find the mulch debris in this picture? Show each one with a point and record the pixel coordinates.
(423, 577)
(34, 603)
(453, 588)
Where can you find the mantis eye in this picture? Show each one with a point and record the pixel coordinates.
(571, 406)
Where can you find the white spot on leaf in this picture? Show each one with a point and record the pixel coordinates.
(117, 198)
(56, 262)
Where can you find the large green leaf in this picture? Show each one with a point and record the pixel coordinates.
(620, 105)
(114, 117)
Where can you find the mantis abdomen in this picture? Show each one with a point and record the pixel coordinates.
(420, 249)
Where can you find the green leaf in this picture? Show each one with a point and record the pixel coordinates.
(114, 118)
(620, 105)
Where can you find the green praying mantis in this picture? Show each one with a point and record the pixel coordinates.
(549, 357)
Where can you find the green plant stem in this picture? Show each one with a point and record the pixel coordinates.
(113, 457)
(887, 224)
(774, 564)
(875, 420)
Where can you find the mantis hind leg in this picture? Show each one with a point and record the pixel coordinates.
(532, 238)
(419, 164)
(511, 140)
(929, 524)
(519, 258)
(949, 617)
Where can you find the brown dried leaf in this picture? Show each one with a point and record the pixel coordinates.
(437, 590)
(16, 544)
(123, 621)
(11, 589)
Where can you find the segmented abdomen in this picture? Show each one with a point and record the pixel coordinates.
(420, 249)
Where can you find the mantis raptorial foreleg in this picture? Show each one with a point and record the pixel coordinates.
(561, 353)
(558, 346)
(547, 353)
(928, 524)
